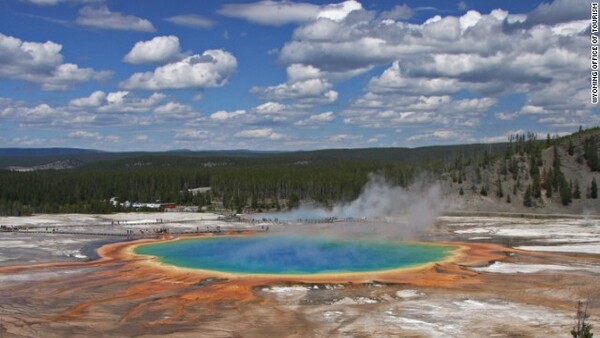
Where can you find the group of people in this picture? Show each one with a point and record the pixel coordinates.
(163, 230)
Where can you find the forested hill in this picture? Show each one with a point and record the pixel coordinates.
(557, 174)
(41, 156)
(406, 155)
(25, 152)
(11, 157)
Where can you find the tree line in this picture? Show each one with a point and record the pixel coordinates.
(264, 186)
(273, 182)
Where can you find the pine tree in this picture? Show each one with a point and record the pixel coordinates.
(294, 201)
(499, 192)
(591, 154)
(486, 158)
(527, 198)
(461, 191)
(549, 192)
(253, 202)
(483, 191)
(514, 168)
(536, 190)
(576, 191)
(571, 149)
(565, 193)
(594, 189)
(556, 159)
(549, 179)
(507, 198)
(545, 179)
(277, 205)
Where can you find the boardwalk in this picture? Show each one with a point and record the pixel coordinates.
(149, 233)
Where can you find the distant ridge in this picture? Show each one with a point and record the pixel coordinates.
(36, 157)
(379, 153)
(18, 152)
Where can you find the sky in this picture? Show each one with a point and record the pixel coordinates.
(158, 75)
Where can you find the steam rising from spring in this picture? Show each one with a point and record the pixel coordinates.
(389, 211)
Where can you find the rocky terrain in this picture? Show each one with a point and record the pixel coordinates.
(500, 183)
(526, 287)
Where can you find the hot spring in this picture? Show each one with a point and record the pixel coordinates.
(292, 255)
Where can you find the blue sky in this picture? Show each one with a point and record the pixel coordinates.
(289, 75)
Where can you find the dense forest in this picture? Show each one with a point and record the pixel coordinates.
(260, 186)
(521, 169)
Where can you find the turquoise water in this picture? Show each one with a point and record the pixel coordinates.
(292, 255)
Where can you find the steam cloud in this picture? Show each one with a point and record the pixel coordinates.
(391, 212)
(381, 213)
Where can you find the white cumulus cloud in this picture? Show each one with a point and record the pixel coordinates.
(484, 55)
(270, 108)
(94, 100)
(94, 136)
(223, 115)
(191, 20)
(192, 135)
(58, 2)
(438, 134)
(277, 13)
(399, 12)
(338, 12)
(102, 17)
(84, 134)
(317, 119)
(265, 133)
(305, 84)
(42, 63)
(159, 49)
(171, 109)
(269, 12)
(209, 69)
